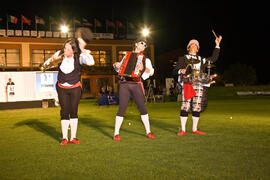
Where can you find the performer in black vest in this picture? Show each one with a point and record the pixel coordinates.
(190, 69)
(133, 67)
(68, 86)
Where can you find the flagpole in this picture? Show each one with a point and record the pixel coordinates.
(106, 26)
(7, 26)
(113, 19)
(73, 26)
(50, 23)
(95, 25)
(117, 28)
(36, 22)
(126, 27)
(22, 24)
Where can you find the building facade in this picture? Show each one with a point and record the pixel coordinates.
(28, 53)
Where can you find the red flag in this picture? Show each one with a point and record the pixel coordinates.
(97, 23)
(52, 20)
(189, 92)
(25, 20)
(119, 24)
(110, 24)
(131, 25)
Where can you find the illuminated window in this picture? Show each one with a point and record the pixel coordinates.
(39, 56)
(121, 54)
(102, 58)
(10, 57)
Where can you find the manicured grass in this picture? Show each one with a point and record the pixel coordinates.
(236, 146)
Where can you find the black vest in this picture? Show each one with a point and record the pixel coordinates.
(74, 76)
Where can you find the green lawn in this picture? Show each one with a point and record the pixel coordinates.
(236, 146)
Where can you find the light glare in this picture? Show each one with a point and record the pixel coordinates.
(64, 29)
(145, 32)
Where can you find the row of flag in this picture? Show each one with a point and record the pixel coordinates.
(83, 22)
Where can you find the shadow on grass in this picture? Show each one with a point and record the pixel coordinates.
(100, 126)
(40, 127)
(157, 123)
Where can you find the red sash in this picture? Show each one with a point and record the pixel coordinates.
(70, 87)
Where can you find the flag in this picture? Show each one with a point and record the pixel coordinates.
(12, 19)
(39, 20)
(97, 23)
(25, 20)
(52, 20)
(131, 25)
(110, 24)
(119, 24)
(75, 21)
(86, 22)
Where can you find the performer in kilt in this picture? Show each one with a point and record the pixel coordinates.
(69, 88)
(131, 70)
(190, 69)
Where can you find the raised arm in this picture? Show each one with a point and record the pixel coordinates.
(85, 56)
(216, 51)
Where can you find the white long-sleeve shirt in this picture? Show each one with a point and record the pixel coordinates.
(148, 65)
(67, 64)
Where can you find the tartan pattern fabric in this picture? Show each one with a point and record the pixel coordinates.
(198, 103)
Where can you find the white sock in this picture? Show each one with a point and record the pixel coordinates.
(73, 127)
(64, 127)
(118, 123)
(183, 122)
(145, 120)
(195, 123)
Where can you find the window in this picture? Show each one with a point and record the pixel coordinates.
(10, 57)
(39, 56)
(102, 58)
(121, 54)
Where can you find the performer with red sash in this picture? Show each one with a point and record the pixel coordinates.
(69, 87)
(194, 93)
(131, 70)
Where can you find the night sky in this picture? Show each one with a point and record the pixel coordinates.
(173, 23)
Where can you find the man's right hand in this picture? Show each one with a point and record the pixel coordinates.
(117, 65)
(183, 71)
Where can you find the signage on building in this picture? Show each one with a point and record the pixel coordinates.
(103, 35)
(2, 32)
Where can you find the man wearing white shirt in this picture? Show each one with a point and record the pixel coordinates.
(132, 69)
